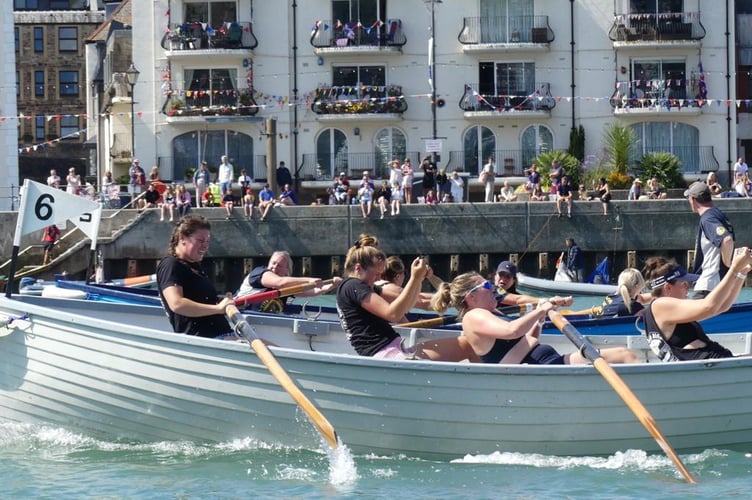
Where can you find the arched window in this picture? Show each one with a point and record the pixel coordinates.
(477, 145)
(534, 140)
(388, 144)
(680, 139)
(331, 152)
(191, 148)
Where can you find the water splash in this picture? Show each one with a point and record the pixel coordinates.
(342, 469)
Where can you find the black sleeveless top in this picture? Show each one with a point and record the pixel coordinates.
(684, 333)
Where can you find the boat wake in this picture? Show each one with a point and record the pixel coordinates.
(635, 460)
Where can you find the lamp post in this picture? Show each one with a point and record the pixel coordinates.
(432, 70)
(131, 74)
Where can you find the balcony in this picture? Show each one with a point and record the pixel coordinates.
(353, 38)
(654, 97)
(200, 39)
(506, 34)
(650, 30)
(359, 103)
(322, 169)
(535, 103)
(208, 105)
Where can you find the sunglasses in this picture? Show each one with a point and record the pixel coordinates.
(486, 285)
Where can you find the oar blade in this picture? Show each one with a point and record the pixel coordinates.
(621, 388)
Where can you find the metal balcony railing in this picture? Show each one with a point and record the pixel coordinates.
(207, 102)
(199, 35)
(359, 100)
(506, 29)
(325, 167)
(355, 34)
(509, 162)
(667, 93)
(694, 159)
(665, 26)
(536, 98)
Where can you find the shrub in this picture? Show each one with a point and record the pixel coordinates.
(618, 140)
(577, 143)
(570, 163)
(664, 166)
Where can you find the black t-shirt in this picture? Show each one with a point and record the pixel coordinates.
(151, 196)
(197, 287)
(367, 333)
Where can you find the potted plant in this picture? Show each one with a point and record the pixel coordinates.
(176, 107)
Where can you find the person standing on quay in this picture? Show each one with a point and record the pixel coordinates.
(225, 175)
(714, 247)
(283, 175)
(49, 237)
(487, 177)
(137, 180)
(201, 179)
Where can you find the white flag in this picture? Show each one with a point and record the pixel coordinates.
(42, 206)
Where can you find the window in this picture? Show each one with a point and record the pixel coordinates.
(18, 83)
(678, 138)
(354, 76)
(654, 6)
(49, 4)
(189, 149)
(478, 142)
(659, 78)
(535, 139)
(69, 127)
(365, 11)
(39, 83)
(211, 87)
(505, 21)
(213, 13)
(389, 144)
(39, 122)
(67, 39)
(506, 85)
(38, 39)
(17, 43)
(68, 83)
(331, 151)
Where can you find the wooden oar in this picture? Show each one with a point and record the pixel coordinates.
(448, 320)
(274, 294)
(569, 312)
(319, 421)
(621, 388)
(427, 323)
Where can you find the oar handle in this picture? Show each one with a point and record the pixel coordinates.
(427, 323)
(280, 292)
(243, 328)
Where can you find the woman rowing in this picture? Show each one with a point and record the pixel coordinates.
(671, 320)
(496, 340)
(505, 280)
(187, 292)
(366, 316)
(628, 300)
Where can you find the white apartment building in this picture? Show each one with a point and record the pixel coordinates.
(351, 83)
(8, 126)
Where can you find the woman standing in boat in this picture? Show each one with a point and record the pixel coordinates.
(671, 320)
(366, 316)
(186, 291)
(496, 340)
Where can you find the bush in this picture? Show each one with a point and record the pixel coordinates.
(577, 143)
(664, 166)
(570, 163)
(618, 140)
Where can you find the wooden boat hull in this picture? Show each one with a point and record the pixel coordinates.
(122, 379)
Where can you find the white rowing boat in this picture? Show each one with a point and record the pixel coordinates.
(540, 286)
(114, 376)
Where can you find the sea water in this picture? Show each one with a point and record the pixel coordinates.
(49, 462)
(38, 461)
